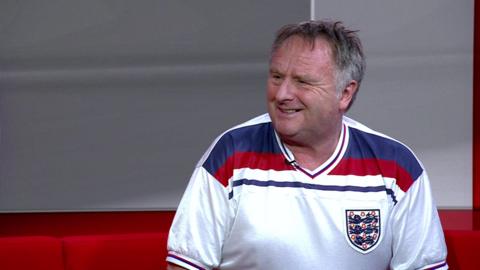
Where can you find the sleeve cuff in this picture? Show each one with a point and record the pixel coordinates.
(185, 262)
(437, 266)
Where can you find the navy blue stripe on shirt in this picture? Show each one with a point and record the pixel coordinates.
(363, 145)
(271, 183)
(294, 184)
(259, 138)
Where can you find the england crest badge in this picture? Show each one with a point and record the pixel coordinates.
(363, 228)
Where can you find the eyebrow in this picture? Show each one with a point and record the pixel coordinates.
(305, 77)
(271, 69)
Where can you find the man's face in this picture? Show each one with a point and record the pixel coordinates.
(302, 99)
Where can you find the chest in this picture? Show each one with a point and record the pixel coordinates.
(310, 219)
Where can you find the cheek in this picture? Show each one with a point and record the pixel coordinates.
(271, 93)
(320, 102)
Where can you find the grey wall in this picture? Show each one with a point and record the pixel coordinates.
(108, 105)
(418, 86)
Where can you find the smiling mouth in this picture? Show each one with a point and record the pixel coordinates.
(289, 111)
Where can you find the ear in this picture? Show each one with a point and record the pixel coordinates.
(347, 94)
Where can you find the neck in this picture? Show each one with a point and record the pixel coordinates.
(312, 155)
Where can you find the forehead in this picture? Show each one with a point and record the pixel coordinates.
(302, 52)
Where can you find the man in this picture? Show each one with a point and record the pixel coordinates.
(305, 187)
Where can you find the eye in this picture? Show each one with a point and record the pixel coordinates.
(303, 82)
(275, 77)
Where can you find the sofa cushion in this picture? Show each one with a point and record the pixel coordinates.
(120, 252)
(30, 252)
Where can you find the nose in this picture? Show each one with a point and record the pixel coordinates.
(285, 91)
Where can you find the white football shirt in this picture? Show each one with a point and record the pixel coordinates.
(248, 205)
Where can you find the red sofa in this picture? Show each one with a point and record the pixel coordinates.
(137, 240)
(84, 241)
(122, 252)
(31, 252)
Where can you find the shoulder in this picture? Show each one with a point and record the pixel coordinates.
(367, 142)
(393, 157)
(253, 136)
(248, 136)
(257, 127)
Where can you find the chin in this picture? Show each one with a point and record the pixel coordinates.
(285, 131)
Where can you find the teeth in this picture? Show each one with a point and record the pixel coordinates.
(290, 111)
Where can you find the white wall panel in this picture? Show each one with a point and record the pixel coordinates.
(418, 85)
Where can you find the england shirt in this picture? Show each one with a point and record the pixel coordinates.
(248, 205)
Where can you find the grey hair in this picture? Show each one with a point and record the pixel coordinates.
(345, 44)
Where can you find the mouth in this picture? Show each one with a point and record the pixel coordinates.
(288, 111)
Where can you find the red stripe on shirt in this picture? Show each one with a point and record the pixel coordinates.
(252, 160)
(385, 168)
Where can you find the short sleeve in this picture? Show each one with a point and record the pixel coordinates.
(418, 240)
(201, 222)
